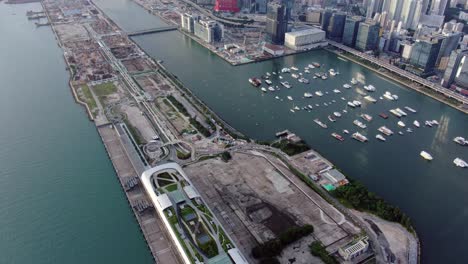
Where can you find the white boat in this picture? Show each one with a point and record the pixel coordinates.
(337, 114)
(271, 89)
(304, 80)
(289, 98)
(336, 91)
(409, 130)
(380, 137)
(403, 113)
(285, 70)
(281, 77)
(295, 76)
(351, 104)
(342, 98)
(460, 163)
(307, 95)
(410, 109)
(359, 137)
(428, 123)
(461, 141)
(332, 72)
(416, 123)
(277, 97)
(346, 86)
(318, 122)
(385, 130)
(354, 81)
(400, 133)
(306, 71)
(297, 108)
(357, 103)
(370, 99)
(425, 155)
(389, 96)
(359, 124)
(324, 77)
(268, 74)
(310, 107)
(395, 112)
(366, 117)
(286, 84)
(325, 104)
(401, 124)
(331, 118)
(319, 93)
(434, 122)
(344, 111)
(268, 82)
(395, 97)
(369, 88)
(263, 89)
(292, 110)
(346, 131)
(294, 68)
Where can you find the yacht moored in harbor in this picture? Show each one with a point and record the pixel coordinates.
(359, 124)
(366, 117)
(425, 155)
(385, 130)
(380, 137)
(410, 109)
(337, 136)
(460, 163)
(255, 81)
(337, 114)
(416, 123)
(370, 99)
(318, 122)
(307, 95)
(359, 137)
(289, 98)
(331, 118)
(461, 141)
(401, 124)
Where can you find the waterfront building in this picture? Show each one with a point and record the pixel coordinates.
(274, 50)
(313, 16)
(326, 16)
(305, 39)
(351, 29)
(336, 26)
(276, 23)
(449, 43)
(406, 53)
(424, 55)
(208, 30)
(368, 35)
(188, 22)
(226, 6)
(457, 68)
(354, 249)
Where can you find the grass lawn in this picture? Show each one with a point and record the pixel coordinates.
(104, 89)
(88, 97)
(171, 187)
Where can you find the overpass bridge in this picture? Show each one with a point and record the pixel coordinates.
(151, 31)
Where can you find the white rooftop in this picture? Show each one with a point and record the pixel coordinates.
(303, 32)
(190, 191)
(164, 201)
(237, 256)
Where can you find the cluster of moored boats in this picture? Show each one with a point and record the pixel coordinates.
(361, 123)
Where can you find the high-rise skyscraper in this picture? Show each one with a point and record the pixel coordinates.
(424, 55)
(449, 42)
(457, 68)
(276, 23)
(326, 16)
(351, 29)
(437, 7)
(368, 35)
(336, 26)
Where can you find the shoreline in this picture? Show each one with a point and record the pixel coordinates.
(389, 77)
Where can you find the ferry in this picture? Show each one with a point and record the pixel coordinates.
(345, 131)
(255, 81)
(354, 81)
(331, 118)
(319, 93)
(395, 112)
(337, 114)
(263, 89)
(401, 124)
(385, 130)
(318, 122)
(294, 68)
(380, 137)
(357, 103)
(460, 140)
(366, 117)
(370, 99)
(359, 124)
(359, 137)
(346, 86)
(369, 88)
(460, 163)
(307, 95)
(337, 136)
(351, 104)
(389, 96)
(271, 89)
(268, 82)
(336, 91)
(289, 98)
(410, 109)
(416, 123)
(286, 84)
(295, 76)
(425, 155)
(403, 113)
(383, 115)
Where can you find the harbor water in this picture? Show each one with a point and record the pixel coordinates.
(60, 200)
(433, 193)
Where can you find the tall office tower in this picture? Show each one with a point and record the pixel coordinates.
(276, 23)
(383, 19)
(407, 12)
(336, 26)
(424, 55)
(351, 29)
(326, 16)
(457, 69)
(368, 35)
(373, 6)
(394, 8)
(370, 9)
(418, 11)
(449, 42)
(289, 4)
(437, 7)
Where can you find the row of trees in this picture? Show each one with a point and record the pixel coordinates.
(291, 148)
(272, 248)
(358, 197)
(318, 250)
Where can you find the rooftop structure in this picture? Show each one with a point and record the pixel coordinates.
(305, 39)
(354, 249)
